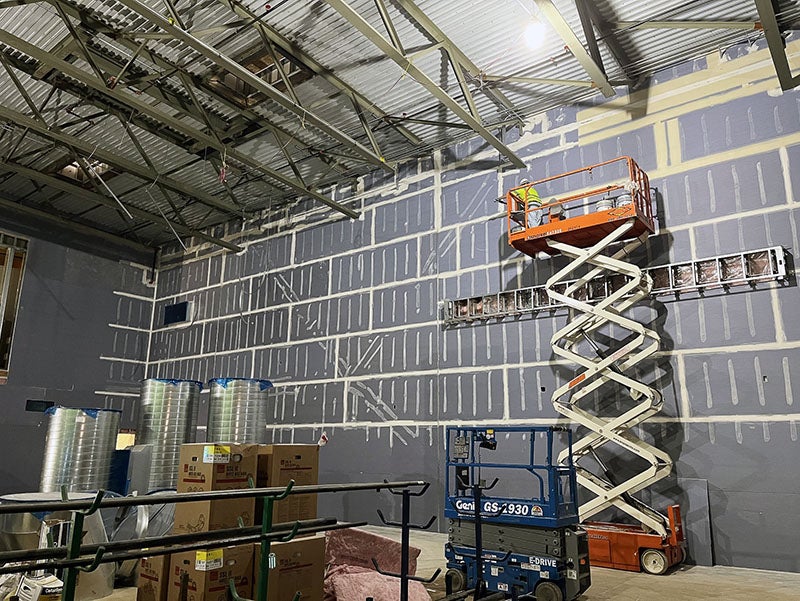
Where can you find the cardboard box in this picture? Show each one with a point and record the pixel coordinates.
(210, 572)
(299, 566)
(279, 463)
(153, 578)
(207, 467)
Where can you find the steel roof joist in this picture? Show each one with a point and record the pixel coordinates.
(145, 108)
(776, 44)
(310, 63)
(456, 54)
(559, 23)
(256, 82)
(99, 199)
(90, 149)
(424, 80)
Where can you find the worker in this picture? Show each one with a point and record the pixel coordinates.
(556, 210)
(527, 201)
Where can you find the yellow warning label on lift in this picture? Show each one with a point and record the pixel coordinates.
(208, 560)
(216, 453)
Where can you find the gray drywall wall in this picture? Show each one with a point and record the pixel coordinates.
(344, 315)
(62, 333)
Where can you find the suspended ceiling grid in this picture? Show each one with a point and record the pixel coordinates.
(146, 120)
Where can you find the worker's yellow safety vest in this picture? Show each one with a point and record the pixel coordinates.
(528, 196)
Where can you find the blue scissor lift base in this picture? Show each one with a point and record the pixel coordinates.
(531, 544)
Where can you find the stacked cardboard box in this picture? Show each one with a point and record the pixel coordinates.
(207, 467)
(203, 468)
(153, 578)
(300, 564)
(299, 567)
(279, 463)
(210, 572)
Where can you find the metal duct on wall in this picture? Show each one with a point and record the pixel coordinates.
(167, 419)
(237, 410)
(79, 447)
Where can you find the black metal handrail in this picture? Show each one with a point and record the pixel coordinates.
(202, 541)
(188, 497)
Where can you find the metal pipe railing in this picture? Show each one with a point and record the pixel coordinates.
(157, 541)
(76, 557)
(188, 497)
(100, 556)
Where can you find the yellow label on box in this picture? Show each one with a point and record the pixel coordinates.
(208, 560)
(216, 453)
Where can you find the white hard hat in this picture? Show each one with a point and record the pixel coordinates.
(524, 181)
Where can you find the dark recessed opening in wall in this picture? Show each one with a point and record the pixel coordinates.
(178, 313)
(38, 406)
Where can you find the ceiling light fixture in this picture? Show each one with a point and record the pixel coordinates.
(534, 34)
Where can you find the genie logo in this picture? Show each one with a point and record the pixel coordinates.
(462, 505)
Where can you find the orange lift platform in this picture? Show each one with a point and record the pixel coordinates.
(584, 218)
(597, 226)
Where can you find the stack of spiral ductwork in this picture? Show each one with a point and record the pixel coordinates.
(237, 410)
(167, 419)
(80, 445)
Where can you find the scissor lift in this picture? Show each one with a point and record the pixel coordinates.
(612, 220)
(519, 534)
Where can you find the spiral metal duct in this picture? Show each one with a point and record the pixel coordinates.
(167, 419)
(79, 447)
(237, 410)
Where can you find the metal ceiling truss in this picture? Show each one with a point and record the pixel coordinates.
(538, 81)
(773, 31)
(105, 86)
(99, 199)
(161, 188)
(88, 170)
(589, 9)
(99, 84)
(589, 64)
(588, 32)
(292, 51)
(692, 24)
(417, 74)
(246, 126)
(249, 122)
(212, 54)
(457, 57)
(111, 83)
(89, 149)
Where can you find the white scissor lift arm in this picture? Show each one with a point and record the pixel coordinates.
(598, 230)
(585, 319)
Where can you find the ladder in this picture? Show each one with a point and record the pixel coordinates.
(721, 273)
(596, 368)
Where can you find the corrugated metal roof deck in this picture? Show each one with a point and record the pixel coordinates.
(491, 34)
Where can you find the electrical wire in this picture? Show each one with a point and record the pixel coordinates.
(163, 215)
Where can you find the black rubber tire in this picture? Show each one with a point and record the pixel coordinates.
(548, 591)
(458, 579)
(654, 562)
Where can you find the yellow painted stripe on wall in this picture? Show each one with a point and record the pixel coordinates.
(720, 82)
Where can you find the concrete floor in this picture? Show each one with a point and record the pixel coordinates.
(685, 583)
